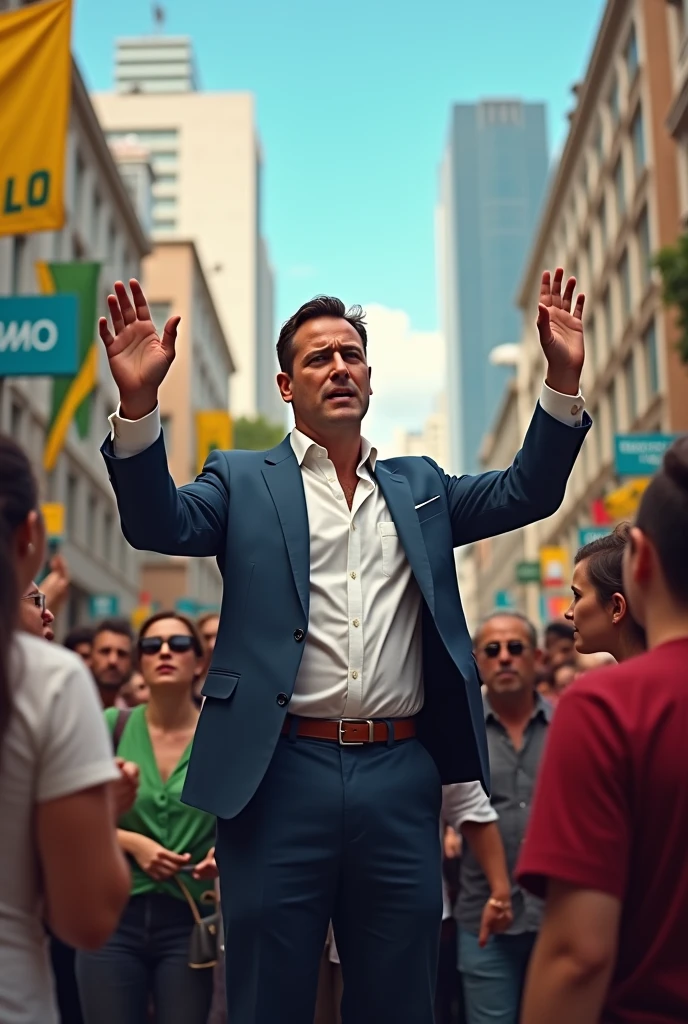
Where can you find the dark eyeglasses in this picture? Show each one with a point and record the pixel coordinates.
(514, 647)
(180, 643)
(37, 599)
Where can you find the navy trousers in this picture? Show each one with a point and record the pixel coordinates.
(343, 833)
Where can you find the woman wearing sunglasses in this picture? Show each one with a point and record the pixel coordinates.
(599, 610)
(148, 956)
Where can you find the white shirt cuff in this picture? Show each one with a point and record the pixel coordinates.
(130, 437)
(466, 801)
(567, 409)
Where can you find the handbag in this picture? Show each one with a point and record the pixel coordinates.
(204, 942)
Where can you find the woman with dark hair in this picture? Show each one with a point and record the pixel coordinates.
(599, 609)
(170, 847)
(59, 858)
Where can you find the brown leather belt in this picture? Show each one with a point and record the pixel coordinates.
(351, 732)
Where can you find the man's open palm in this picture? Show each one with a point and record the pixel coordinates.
(560, 326)
(139, 359)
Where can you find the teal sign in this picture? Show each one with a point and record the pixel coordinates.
(503, 599)
(104, 606)
(38, 335)
(590, 533)
(186, 606)
(640, 454)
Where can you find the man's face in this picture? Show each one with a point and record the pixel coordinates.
(329, 385)
(560, 650)
(506, 657)
(34, 617)
(209, 632)
(111, 660)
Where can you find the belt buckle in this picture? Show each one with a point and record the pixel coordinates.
(355, 721)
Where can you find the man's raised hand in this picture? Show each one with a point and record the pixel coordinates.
(139, 359)
(560, 326)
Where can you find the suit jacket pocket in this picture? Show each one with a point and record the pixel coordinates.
(220, 684)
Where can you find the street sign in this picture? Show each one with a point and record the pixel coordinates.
(623, 503)
(104, 606)
(38, 335)
(553, 566)
(553, 608)
(588, 534)
(640, 454)
(53, 517)
(186, 606)
(527, 572)
(503, 599)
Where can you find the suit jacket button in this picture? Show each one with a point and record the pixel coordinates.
(282, 699)
(299, 635)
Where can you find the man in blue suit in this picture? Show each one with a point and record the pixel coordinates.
(342, 689)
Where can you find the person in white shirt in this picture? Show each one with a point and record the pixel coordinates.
(59, 858)
(342, 689)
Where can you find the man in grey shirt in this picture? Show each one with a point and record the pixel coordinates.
(517, 721)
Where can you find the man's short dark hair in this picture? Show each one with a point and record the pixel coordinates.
(559, 631)
(120, 627)
(663, 515)
(321, 305)
(507, 613)
(78, 636)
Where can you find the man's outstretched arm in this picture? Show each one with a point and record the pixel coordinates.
(155, 515)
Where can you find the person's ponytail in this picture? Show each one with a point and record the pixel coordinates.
(18, 497)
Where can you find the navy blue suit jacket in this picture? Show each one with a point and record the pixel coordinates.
(248, 509)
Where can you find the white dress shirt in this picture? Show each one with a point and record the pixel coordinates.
(362, 655)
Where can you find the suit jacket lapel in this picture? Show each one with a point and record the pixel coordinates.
(399, 498)
(283, 476)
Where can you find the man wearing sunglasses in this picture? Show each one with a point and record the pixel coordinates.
(35, 616)
(342, 690)
(516, 721)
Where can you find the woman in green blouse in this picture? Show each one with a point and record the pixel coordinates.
(147, 957)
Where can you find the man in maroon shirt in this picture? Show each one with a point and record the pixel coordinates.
(608, 836)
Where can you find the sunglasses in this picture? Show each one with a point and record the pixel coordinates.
(180, 643)
(514, 647)
(37, 600)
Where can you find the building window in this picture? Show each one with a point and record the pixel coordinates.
(632, 55)
(608, 318)
(614, 106)
(591, 341)
(16, 422)
(620, 189)
(108, 533)
(599, 143)
(72, 509)
(604, 230)
(645, 247)
(168, 178)
(165, 225)
(631, 393)
(160, 314)
(651, 364)
(625, 280)
(92, 516)
(18, 253)
(638, 136)
(613, 409)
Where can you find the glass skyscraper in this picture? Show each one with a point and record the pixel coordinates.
(492, 183)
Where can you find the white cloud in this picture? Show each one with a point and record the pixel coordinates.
(408, 375)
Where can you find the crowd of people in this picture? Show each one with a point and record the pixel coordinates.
(120, 857)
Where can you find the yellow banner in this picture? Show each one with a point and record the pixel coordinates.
(553, 566)
(35, 80)
(623, 503)
(214, 430)
(54, 518)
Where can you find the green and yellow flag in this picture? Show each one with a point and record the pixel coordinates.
(35, 86)
(71, 398)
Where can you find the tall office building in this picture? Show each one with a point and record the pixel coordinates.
(206, 160)
(492, 183)
(155, 64)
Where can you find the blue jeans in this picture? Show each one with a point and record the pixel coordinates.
(145, 960)
(493, 977)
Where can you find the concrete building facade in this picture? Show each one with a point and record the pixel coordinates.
(492, 182)
(101, 225)
(613, 202)
(206, 158)
(198, 379)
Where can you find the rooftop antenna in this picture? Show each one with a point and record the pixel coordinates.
(159, 17)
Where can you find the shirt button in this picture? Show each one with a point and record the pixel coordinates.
(299, 635)
(522, 804)
(282, 699)
(353, 575)
(340, 497)
(354, 674)
(356, 622)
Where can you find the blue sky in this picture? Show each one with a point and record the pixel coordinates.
(353, 104)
